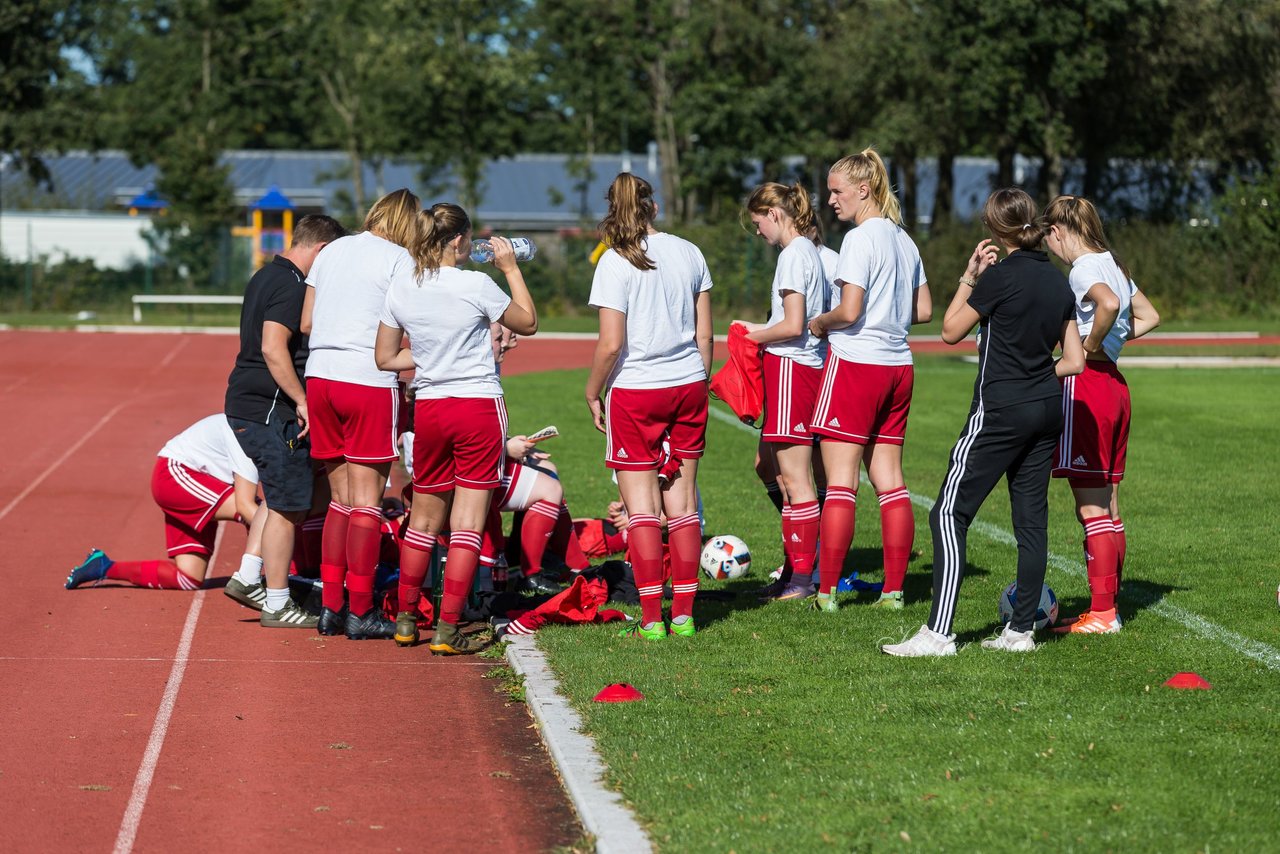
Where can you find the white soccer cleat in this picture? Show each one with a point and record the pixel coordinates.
(1011, 641)
(925, 643)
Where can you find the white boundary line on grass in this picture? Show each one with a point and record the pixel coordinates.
(603, 812)
(1263, 653)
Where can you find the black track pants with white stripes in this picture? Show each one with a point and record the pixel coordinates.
(1017, 442)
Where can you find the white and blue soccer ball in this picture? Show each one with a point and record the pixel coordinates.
(725, 557)
(1046, 611)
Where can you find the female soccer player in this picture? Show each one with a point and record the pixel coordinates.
(862, 408)
(201, 477)
(354, 405)
(1024, 309)
(783, 216)
(459, 417)
(1110, 310)
(654, 355)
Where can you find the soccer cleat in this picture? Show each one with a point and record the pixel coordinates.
(684, 628)
(795, 591)
(655, 632)
(450, 641)
(891, 601)
(824, 602)
(371, 625)
(923, 644)
(539, 584)
(249, 595)
(1092, 623)
(407, 628)
(288, 617)
(332, 622)
(771, 591)
(1011, 641)
(93, 569)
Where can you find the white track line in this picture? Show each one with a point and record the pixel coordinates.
(1263, 653)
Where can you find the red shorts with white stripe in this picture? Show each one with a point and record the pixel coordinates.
(790, 394)
(459, 441)
(355, 422)
(1095, 426)
(863, 404)
(638, 420)
(190, 500)
(517, 486)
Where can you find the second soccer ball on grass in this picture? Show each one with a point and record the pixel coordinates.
(1046, 611)
(725, 557)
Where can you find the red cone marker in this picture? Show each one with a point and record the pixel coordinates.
(619, 692)
(1188, 680)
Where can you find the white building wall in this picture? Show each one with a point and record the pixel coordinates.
(110, 240)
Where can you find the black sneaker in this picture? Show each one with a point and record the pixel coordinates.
(371, 625)
(332, 622)
(540, 584)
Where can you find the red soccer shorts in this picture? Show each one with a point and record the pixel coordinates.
(459, 441)
(790, 394)
(518, 481)
(189, 500)
(637, 420)
(863, 404)
(356, 422)
(1095, 426)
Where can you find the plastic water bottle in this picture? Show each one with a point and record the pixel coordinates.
(482, 250)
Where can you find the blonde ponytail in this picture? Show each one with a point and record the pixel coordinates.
(867, 167)
(394, 217)
(437, 226)
(631, 212)
(794, 201)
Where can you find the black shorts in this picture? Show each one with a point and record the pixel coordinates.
(283, 460)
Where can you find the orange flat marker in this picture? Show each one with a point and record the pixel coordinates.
(1188, 680)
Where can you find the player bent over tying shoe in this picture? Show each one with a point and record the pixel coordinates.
(654, 354)
(201, 477)
(266, 406)
(459, 416)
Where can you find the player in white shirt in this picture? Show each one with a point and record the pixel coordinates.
(201, 477)
(783, 216)
(862, 409)
(459, 417)
(654, 356)
(354, 405)
(1110, 310)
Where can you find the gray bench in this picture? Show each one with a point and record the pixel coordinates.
(188, 300)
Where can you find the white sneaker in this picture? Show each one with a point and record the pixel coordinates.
(924, 643)
(1011, 641)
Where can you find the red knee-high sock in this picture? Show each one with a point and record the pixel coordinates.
(898, 534)
(644, 547)
(684, 538)
(838, 516)
(492, 541)
(1102, 562)
(153, 574)
(333, 555)
(415, 563)
(564, 541)
(801, 533)
(1117, 527)
(459, 574)
(364, 541)
(539, 521)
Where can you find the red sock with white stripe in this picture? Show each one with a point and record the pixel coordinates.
(333, 555)
(644, 548)
(459, 574)
(684, 537)
(898, 534)
(539, 521)
(153, 574)
(801, 533)
(364, 541)
(415, 563)
(1117, 527)
(1101, 561)
(564, 541)
(838, 516)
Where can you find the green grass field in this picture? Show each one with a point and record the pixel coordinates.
(783, 729)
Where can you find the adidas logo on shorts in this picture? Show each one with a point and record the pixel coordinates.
(795, 538)
(834, 422)
(799, 428)
(622, 453)
(1079, 461)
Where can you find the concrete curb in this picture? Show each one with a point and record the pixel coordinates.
(603, 813)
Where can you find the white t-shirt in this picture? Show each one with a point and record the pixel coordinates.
(830, 258)
(800, 270)
(1087, 271)
(661, 349)
(879, 257)
(446, 315)
(351, 276)
(210, 447)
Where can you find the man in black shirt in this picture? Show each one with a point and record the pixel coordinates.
(266, 406)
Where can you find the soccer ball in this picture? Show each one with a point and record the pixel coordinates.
(725, 557)
(1046, 611)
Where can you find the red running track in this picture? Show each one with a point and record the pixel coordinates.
(278, 740)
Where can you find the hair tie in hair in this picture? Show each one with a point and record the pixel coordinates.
(1025, 227)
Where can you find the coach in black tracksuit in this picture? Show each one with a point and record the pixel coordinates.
(1025, 309)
